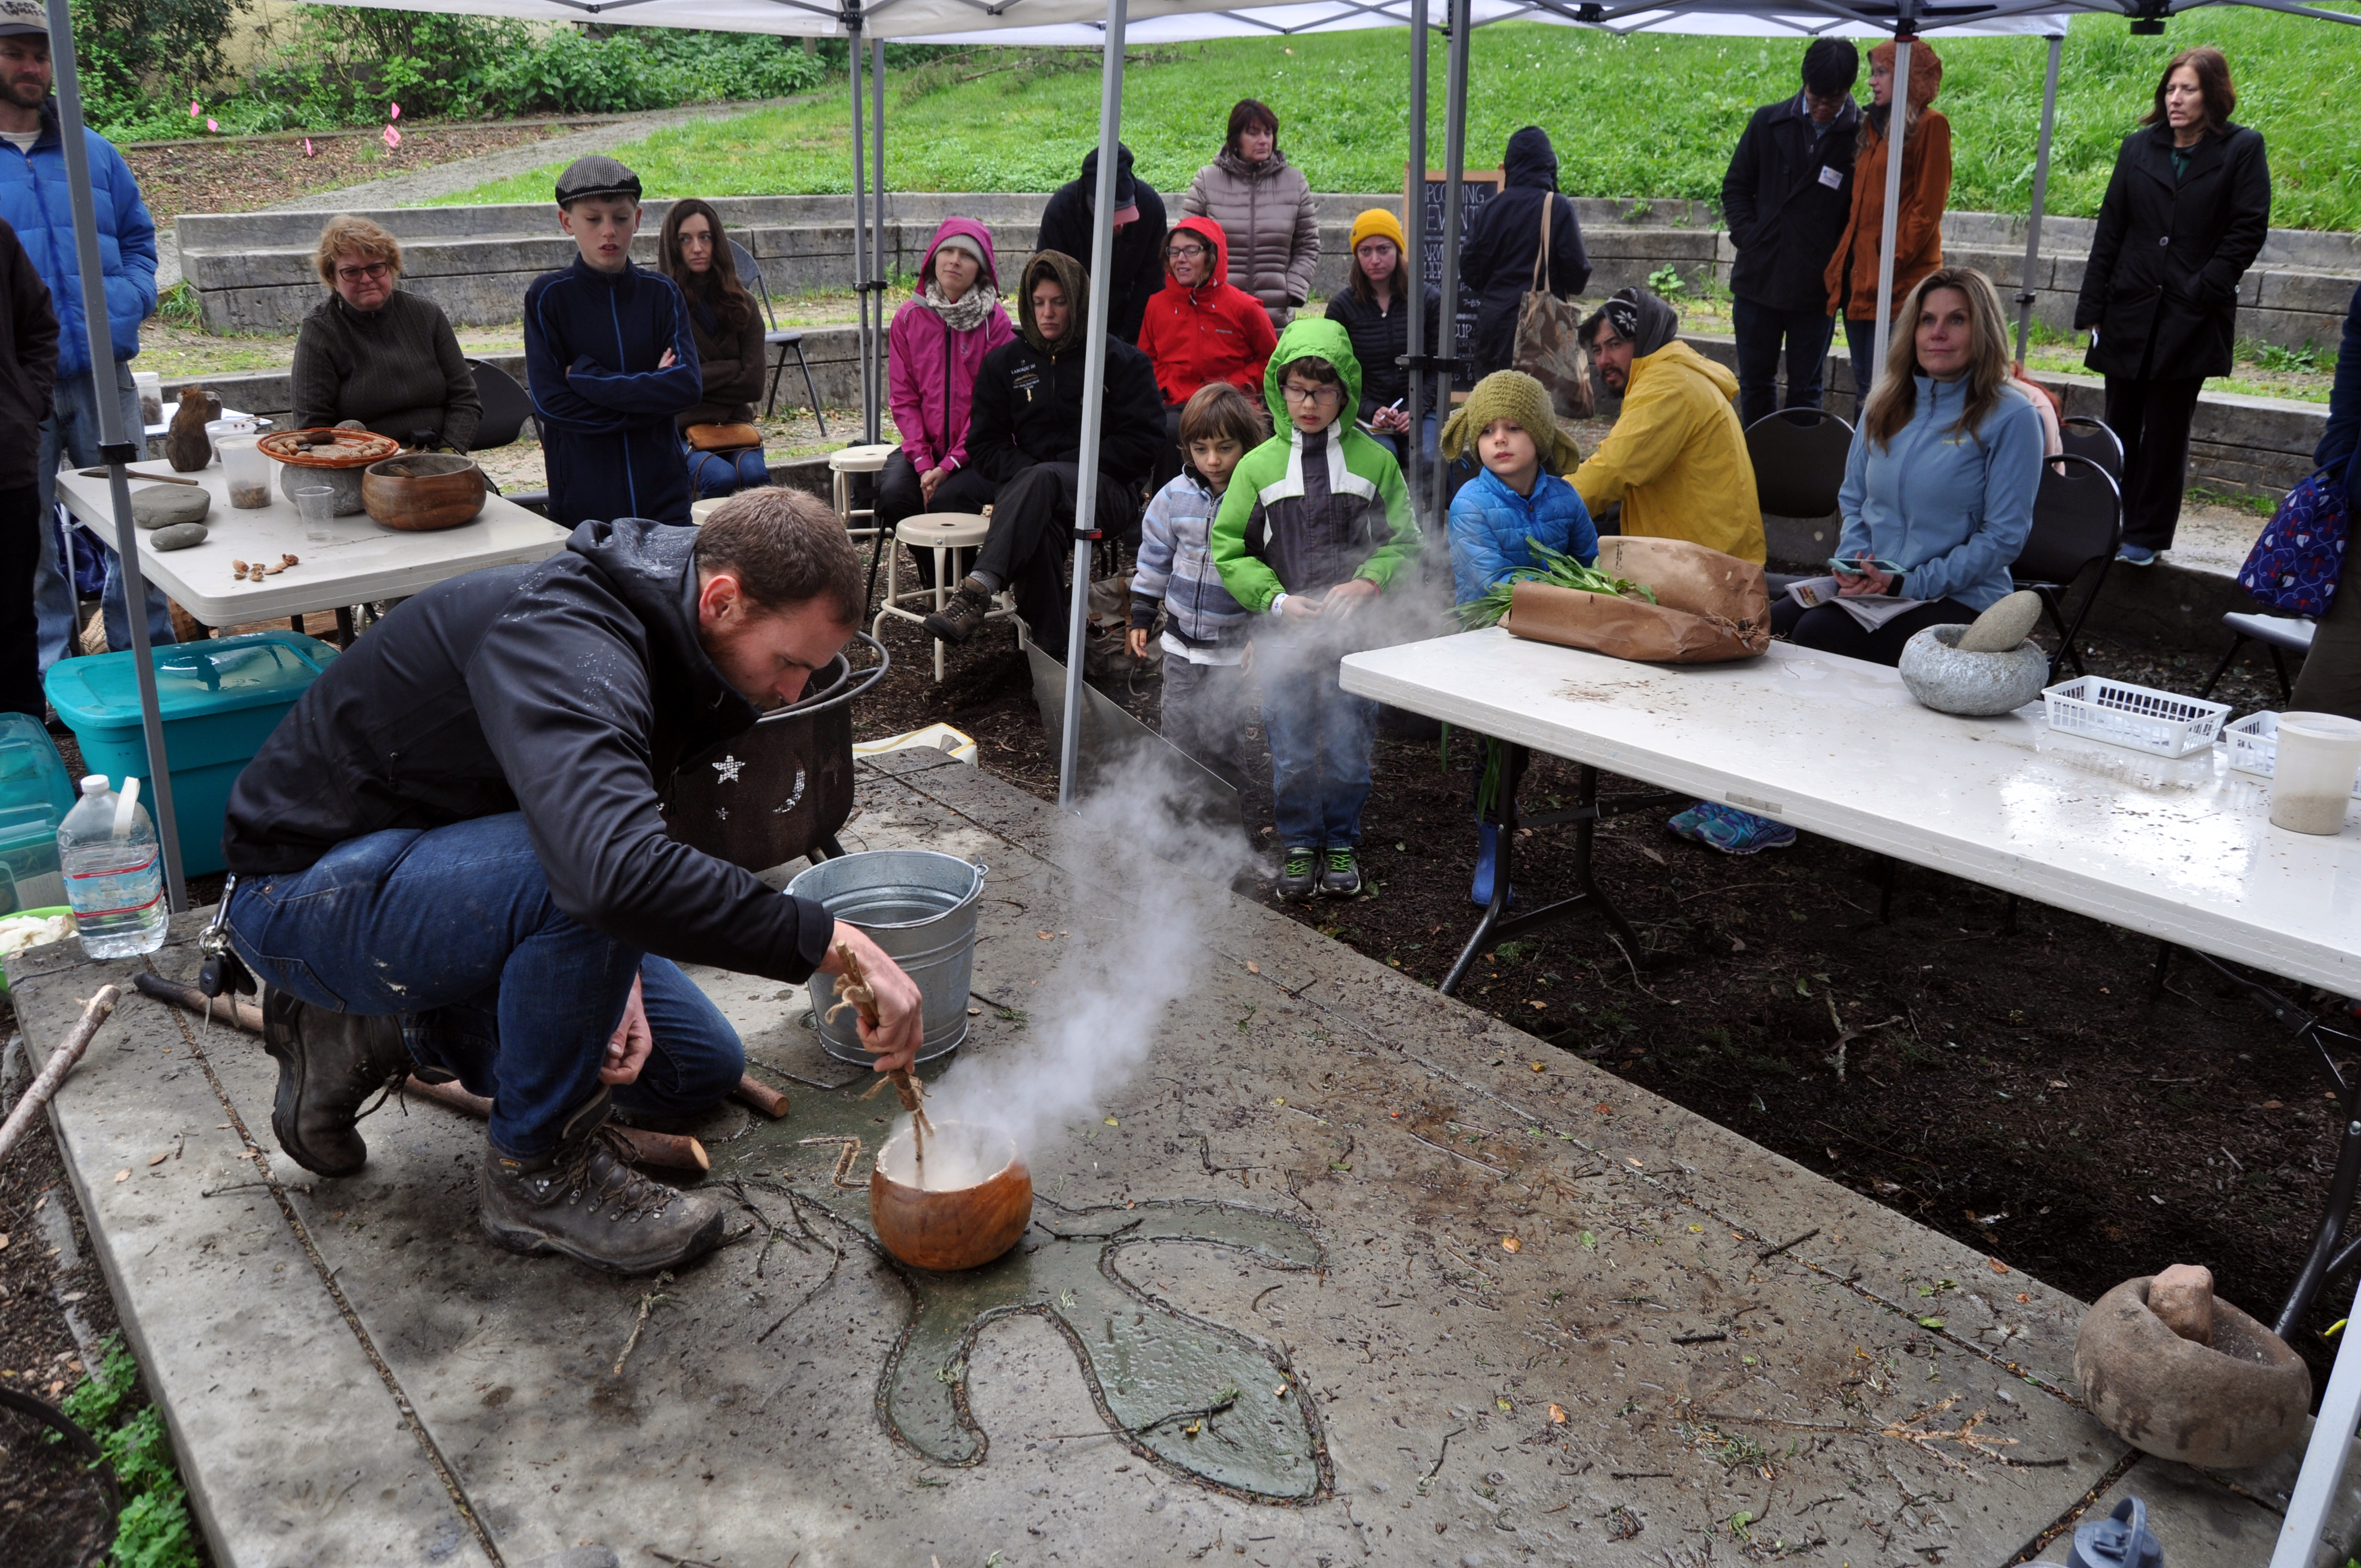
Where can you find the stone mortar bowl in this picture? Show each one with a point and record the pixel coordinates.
(2238, 1402)
(1974, 685)
(333, 457)
(976, 1203)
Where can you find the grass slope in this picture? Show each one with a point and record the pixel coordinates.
(1632, 117)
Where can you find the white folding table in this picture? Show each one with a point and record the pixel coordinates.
(364, 563)
(2183, 850)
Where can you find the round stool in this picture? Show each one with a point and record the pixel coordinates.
(842, 464)
(699, 510)
(942, 532)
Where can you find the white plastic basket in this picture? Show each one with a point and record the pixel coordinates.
(2138, 717)
(2254, 743)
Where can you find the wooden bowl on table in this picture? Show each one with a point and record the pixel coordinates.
(420, 492)
(975, 1205)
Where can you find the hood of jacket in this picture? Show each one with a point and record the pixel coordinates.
(1124, 191)
(973, 230)
(1071, 275)
(1319, 338)
(652, 568)
(1926, 77)
(1229, 161)
(1531, 159)
(1640, 319)
(1679, 356)
(1217, 278)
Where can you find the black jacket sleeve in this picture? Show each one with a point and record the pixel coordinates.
(36, 329)
(1569, 268)
(1739, 183)
(2248, 215)
(2106, 240)
(1133, 427)
(2342, 439)
(562, 690)
(991, 436)
(1476, 251)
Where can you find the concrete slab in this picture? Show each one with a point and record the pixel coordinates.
(1292, 1216)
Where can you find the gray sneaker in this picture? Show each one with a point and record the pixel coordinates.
(1299, 875)
(1340, 871)
(583, 1199)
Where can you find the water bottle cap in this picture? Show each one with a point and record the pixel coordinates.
(93, 783)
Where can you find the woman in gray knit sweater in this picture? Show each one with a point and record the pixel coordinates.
(371, 352)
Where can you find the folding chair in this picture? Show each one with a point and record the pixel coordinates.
(506, 410)
(2279, 633)
(2083, 436)
(2078, 521)
(776, 339)
(1799, 461)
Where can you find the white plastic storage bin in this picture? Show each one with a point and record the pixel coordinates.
(2138, 717)
(2254, 743)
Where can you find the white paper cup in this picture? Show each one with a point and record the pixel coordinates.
(2313, 782)
(317, 503)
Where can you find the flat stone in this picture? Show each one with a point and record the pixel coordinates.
(178, 536)
(161, 506)
(2182, 1299)
(2006, 624)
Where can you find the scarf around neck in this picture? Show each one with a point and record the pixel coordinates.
(967, 313)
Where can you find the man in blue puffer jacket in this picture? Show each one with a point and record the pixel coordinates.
(34, 201)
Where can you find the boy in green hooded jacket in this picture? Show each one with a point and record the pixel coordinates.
(1314, 526)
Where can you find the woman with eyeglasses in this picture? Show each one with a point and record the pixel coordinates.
(1199, 329)
(371, 354)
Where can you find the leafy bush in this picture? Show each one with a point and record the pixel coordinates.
(154, 1530)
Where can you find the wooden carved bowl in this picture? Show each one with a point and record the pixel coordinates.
(328, 448)
(419, 492)
(976, 1203)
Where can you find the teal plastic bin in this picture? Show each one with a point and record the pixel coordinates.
(35, 796)
(220, 700)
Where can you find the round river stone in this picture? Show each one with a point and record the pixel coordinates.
(160, 506)
(178, 536)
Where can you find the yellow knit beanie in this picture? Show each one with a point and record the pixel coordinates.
(1378, 223)
(1512, 395)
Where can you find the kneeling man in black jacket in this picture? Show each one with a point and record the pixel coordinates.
(448, 861)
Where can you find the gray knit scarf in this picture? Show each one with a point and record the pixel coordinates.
(965, 314)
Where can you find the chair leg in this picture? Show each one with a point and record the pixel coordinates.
(2278, 667)
(942, 569)
(2237, 641)
(811, 387)
(771, 399)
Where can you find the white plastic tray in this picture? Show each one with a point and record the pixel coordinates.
(2138, 717)
(2254, 746)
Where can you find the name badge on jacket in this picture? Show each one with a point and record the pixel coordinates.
(1831, 176)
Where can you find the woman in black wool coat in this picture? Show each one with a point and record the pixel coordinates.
(2184, 216)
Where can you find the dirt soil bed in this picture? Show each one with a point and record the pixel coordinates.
(242, 173)
(2017, 1088)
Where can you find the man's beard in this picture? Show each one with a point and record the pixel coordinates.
(28, 95)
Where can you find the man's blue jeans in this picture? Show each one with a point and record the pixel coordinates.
(1761, 332)
(1861, 341)
(454, 930)
(70, 433)
(1320, 736)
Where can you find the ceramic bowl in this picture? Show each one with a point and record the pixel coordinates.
(1975, 685)
(419, 492)
(976, 1203)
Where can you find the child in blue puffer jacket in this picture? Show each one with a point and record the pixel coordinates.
(1517, 499)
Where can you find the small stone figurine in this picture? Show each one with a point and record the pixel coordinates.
(186, 445)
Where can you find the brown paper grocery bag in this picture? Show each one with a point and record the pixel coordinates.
(1710, 607)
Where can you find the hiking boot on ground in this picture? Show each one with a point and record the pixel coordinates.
(329, 1066)
(583, 1199)
(961, 613)
(1340, 871)
(1299, 875)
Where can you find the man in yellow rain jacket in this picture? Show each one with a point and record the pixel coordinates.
(1676, 457)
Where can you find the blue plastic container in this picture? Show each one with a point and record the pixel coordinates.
(35, 796)
(220, 700)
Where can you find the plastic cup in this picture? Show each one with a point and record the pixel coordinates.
(246, 470)
(150, 385)
(317, 504)
(2312, 782)
(218, 429)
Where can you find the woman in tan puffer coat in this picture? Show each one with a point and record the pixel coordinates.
(1264, 205)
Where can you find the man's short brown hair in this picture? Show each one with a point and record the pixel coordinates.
(785, 549)
(1217, 410)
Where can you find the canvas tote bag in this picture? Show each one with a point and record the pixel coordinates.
(1549, 336)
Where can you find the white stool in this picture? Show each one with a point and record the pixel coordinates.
(699, 510)
(942, 532)
(842, 464)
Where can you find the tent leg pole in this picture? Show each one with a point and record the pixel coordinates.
(1094, 357)
(877, 245)
(1414, 277)
(2027, 293)
(1454, 162)
(1897, 127)
(860, 234)
(114, 445)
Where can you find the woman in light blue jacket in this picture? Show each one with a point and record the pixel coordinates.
(1941, 477)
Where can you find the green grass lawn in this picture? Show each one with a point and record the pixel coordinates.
(1632, 117)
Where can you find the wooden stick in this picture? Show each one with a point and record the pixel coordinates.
(232, 1010)
(140, 478)
(62, 1062)
(854, 992)
(669, 1151)
(752, 1090)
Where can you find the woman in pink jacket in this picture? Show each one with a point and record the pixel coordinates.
(938, 340)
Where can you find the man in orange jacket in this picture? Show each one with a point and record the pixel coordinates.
(1199, 329)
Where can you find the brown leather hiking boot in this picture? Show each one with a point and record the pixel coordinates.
(961, 613)
(583, 1199)
(329, 1065)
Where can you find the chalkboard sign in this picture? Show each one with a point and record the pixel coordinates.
(1476, 187)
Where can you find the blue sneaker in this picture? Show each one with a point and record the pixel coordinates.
(2135, 556)
(1731, 831)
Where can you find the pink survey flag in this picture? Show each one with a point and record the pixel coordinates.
(307, 148)
(392, 137)
(397, 113)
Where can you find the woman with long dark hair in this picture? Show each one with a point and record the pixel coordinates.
(1264, 205)
(718, 438)
(2184, 216)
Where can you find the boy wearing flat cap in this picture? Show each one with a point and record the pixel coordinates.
(609, 360)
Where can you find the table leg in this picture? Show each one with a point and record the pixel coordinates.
(344, 626)
(2322, 1476)
(2324, 1259)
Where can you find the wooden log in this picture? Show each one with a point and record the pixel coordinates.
(235, 1011)
(753, 1092)
(670, 1151)
(61, 1062)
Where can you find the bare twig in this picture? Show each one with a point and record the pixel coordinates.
(1771, 1251)
(647, 1305)
(62, 1062)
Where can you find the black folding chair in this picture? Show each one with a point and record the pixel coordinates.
(506, 410)
(2083, 436)
(1799, 461)
(775, 339)
(2279, 633)
(2078, 522)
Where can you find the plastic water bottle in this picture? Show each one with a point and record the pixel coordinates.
(114, 870)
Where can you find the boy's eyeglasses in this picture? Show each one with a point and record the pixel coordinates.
(1313, 394)
(376, 271)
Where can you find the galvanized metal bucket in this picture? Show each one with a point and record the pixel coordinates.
(919, 907)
